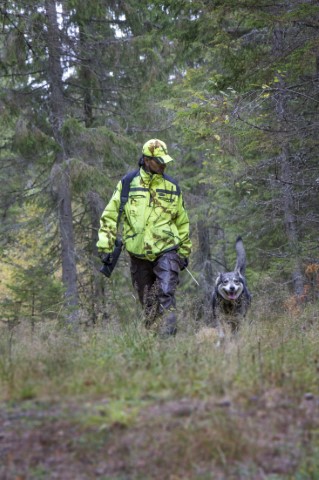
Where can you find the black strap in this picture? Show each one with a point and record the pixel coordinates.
(126, 182)
(172, 180)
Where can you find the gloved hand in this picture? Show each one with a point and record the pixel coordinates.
(183, 263)
(106, 258)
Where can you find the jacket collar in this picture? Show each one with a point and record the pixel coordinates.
(148, 178)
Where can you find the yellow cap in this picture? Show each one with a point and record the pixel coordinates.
(158, 149)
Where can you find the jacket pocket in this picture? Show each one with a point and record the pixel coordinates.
(136, 207)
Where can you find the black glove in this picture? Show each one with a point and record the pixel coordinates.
(183, 263)
(106, 258)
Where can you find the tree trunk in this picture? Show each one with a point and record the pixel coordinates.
(60, 173)
(204, 253)
(290, 221)
(287, 172)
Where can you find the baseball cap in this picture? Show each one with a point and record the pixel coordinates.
(158, 149)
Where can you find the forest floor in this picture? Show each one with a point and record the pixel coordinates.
(265, 437)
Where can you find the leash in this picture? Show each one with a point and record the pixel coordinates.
(192, 276)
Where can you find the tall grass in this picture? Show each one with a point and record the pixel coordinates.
(181, 407)
(123, 360)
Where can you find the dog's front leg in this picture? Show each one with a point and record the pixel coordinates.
(216, 322)
(220, 334)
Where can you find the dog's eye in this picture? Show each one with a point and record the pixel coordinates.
(225, 282)
(236, 282)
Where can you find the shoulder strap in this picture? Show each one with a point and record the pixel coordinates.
(126, 182)
(172, 180)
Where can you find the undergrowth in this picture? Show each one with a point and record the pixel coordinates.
(126, 361)
(196, 409)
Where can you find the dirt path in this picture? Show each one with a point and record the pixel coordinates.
(174, 440)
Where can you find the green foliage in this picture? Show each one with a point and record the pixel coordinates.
(130, 363)
(230, 88)
(38, 294)
(31, 143)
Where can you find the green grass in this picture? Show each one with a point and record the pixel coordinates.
(130, 363)
(118, 373)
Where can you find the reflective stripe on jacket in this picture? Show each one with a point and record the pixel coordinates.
(154, 218)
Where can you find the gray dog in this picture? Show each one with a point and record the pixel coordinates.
(231, 298)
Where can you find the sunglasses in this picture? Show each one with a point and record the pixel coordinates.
(158, 160)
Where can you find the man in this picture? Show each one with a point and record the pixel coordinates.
(155, 234)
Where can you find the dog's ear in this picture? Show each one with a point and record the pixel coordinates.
(237, 271)
(218, 279)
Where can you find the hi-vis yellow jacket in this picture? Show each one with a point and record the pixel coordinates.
(154, 218)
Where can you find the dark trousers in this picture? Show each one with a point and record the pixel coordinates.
(155, 283)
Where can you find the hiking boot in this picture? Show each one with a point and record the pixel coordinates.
(168, 325)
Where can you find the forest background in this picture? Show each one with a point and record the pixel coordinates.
(233, 89)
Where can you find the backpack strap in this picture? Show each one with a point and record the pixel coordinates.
(126, 182)
(172, 180)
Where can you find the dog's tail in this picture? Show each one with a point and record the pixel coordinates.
(241, 256)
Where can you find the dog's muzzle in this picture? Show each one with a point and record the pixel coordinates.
(230, 291)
